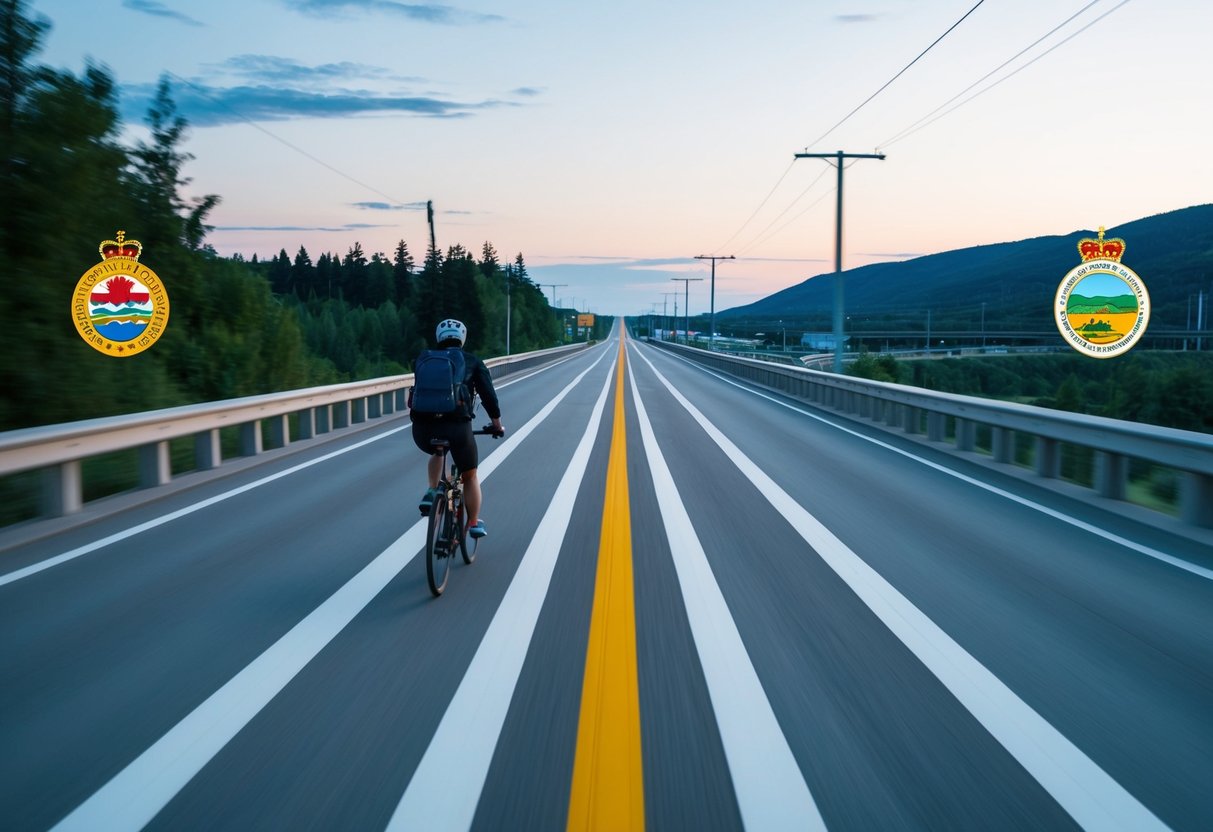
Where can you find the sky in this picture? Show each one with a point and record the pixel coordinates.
(612, 142)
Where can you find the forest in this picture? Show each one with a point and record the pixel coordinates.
(237, 327)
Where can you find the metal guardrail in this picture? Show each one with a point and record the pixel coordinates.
(912, 409)
(58, 450)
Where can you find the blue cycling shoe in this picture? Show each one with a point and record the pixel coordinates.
(427, 500)
(478, 531)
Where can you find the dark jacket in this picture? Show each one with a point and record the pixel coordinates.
(481, 382)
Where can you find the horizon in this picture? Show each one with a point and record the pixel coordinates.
(610, 163)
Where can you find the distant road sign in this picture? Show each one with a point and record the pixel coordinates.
(585, 320)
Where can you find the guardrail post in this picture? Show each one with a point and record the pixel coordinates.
(154, 467)
(966, 434)
(62, 489)
(307, 423)
(1111, 475)
(1048, 457)
(250, 438)
(341, 415)
(893, 415)
(208, 453)
(936, 424)
(280, 431)
(1196, 499)
(374, 406)
(359, 410)
(913, 419)
(1002, 441)
(863, 405)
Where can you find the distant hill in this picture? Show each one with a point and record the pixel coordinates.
(1172, 252)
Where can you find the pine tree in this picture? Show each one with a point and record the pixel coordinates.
(402, 272)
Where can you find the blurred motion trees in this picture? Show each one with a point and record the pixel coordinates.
(236, 328)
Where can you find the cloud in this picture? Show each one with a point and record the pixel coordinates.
(387, 206)
(529, 92)
(895, 255)
(208, 106)
(856, 18)
(425, 13)
(272, 69)
(158, 9)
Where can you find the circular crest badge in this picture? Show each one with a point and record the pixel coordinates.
(120, 307)
(1102, 307)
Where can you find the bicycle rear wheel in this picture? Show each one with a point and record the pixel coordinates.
(437, 545)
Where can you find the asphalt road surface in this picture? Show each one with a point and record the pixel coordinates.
(700, 606)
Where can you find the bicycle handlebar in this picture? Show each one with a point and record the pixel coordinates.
(489, 430)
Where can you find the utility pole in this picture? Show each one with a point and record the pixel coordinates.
(838, 298)
(686, 303)
(553, 287)
(665, 316)
(712, 318)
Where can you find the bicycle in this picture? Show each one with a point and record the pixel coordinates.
(446, 532)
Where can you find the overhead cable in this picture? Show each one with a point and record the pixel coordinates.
(895, 77)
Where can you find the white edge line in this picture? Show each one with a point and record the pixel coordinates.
(1141, 548)
(770, 787)
(462, 747)
(134, 796)
(1077, 783)
(117, 537)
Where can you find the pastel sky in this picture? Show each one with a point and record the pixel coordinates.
(611, 142)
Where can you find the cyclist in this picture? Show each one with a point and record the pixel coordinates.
(452, 334)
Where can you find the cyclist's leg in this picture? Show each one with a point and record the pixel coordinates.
(434, 469)
(467, 457)
(471, 496)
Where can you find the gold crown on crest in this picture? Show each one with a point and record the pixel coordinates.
(1101, 249)
(121, 247)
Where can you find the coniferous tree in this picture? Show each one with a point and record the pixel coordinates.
(402, 272)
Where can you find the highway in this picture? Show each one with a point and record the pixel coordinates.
(700, 606)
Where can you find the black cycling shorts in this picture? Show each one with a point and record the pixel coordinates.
(463, 445)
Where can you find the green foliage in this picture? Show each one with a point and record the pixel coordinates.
(1172, 389)
(877, 368)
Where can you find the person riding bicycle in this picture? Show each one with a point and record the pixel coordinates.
(456, 427)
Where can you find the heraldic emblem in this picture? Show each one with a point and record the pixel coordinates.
(1102, 307)
(120, 306)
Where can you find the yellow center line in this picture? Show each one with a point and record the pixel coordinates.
(608, 790)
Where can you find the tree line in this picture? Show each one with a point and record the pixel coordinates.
(236, 327)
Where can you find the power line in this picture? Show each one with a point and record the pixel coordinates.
(1018, 54)
(791, 220)
(202, 91)
(921, 123)
(898, 75)
(765, 199)
(789, 207)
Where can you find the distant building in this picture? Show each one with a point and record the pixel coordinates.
(823, 341)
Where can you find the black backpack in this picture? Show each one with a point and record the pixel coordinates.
(440, 389)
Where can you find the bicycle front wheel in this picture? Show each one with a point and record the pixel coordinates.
(438, 545)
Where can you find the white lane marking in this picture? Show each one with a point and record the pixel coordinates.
(770, 787)
(456, 762)
(1081, 787)
(72, 554)
(1141, 548)
(133, 796)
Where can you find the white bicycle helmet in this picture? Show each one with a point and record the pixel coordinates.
(451, 328)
